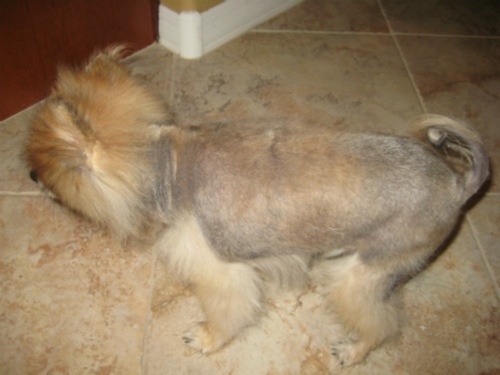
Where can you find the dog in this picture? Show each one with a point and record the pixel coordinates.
(226, 203)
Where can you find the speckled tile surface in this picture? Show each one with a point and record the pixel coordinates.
(13, 171)
(72, 301)
(317, 77)
(448, 17)
(325, 15)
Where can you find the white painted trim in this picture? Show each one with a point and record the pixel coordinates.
(190, 35)
(168, 25)
(220, 24)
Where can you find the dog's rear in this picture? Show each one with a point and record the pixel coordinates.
(360, 290)
(376, 206)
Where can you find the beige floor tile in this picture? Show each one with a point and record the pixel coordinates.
(452, 312)
(72, 301)
(14, 173)
(459, 17)
(327, 15)
(355, 82)
(462, 81)
(485, 220)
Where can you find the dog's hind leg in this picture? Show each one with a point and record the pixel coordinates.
(359, 299)
(229, 293)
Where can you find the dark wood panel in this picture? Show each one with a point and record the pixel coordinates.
(38, 35)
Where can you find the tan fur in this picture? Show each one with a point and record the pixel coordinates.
(229, 292)
(356, 295)
(91, 120)
(231, 205)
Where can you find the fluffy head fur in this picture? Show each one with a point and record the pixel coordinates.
(366, 211)
(88, 138)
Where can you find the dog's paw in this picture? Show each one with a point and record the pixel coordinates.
(203, 339)
(348, 352)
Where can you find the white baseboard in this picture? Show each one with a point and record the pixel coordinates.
(192, 35)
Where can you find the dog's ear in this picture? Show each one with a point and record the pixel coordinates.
(74, 133)
(68, 128)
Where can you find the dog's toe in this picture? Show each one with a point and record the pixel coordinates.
(338, 349)
(203, 339)
(348, 353)
(186, 339)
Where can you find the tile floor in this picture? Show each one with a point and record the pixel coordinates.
(73, 302)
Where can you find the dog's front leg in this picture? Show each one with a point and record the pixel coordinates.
(230, 297)
(229, 292)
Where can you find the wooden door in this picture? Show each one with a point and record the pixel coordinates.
(38, 35)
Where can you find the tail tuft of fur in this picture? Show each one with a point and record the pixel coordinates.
(459, 145)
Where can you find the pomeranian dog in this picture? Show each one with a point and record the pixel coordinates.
(227, 203)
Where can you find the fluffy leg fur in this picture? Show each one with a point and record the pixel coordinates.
(229, 292)
(357, 295)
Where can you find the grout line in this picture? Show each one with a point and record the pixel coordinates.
(21, 193)
(432, 35)
(373, 33)
(149, 317)
(485, 258)
(171, 87)
(317, 32)
(403, 59)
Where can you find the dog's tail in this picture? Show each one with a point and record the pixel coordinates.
(459, 145)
